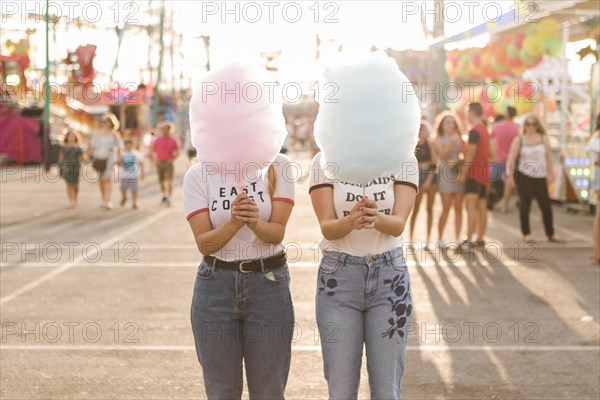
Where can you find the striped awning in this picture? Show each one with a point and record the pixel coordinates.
(561, 10)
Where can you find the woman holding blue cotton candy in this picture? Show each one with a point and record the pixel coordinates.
(363, 186)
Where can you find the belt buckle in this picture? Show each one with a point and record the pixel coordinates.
(241, 267)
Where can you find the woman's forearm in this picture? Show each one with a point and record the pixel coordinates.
(215, 239)
(334, 229)
(269, 232)
(390, 224)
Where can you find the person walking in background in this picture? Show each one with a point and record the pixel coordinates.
(449, 148)
(496, 189)
(132, 173)
(104, 149)
(594, 148)
(475, 174)
(165, 150)
(530, 166)
(426, 157)
(302, 132)
(147, 142)
(503, 133)
(314, 147)
(69, 161)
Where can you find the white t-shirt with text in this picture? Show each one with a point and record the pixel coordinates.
(345, 195)
(205, 191)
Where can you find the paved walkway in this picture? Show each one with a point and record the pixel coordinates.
(95, 304)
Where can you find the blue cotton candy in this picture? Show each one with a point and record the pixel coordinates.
(369, 127)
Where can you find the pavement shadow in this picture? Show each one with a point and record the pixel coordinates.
(502, 312)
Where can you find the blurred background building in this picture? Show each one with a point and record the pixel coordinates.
(140, 61)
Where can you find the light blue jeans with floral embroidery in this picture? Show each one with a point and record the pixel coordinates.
(363, 301)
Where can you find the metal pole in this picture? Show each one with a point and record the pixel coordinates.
(156, 99)
(172, 48)
(206, 40)
(439, 68)
(149, 33)
(564, 89)
(47, 96)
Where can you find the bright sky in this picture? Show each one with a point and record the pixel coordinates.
(241, 30)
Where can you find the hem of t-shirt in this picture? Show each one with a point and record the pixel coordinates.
(283, 199)
(319, 186)
(190, 215)
(483, 182)
(412, 185)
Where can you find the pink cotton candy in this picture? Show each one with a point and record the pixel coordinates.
(237, 121)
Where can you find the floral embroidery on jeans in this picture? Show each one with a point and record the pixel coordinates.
(401, 311)
(328, 286)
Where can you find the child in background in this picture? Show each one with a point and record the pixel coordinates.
(132, 162)
(69, 160)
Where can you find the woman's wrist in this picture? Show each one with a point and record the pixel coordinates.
(234, 224)
(256, 226)
(379, 217)
(346, 224)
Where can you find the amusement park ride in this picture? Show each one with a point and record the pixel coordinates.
(77, 99)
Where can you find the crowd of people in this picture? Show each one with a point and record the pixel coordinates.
(482, 166)
(112, 157)
(502, 157)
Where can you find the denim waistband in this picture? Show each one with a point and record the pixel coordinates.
(381, 259)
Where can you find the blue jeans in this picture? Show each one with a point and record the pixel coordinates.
(243, 317)
(363, 300)
(498, 171)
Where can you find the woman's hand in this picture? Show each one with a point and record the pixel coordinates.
(357, 217)
(235, 218)
(370, 213)
(551, 176)
(245, 210)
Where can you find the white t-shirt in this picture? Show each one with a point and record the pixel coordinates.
(594, 147)
(104, 146)
(210, 192)
(131, 164)
(532, 160)
(345, 195)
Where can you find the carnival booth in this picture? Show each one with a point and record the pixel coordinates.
(20, 139)
(126, 104)
(526, 64)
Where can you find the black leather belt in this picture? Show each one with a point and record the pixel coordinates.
(262, 264)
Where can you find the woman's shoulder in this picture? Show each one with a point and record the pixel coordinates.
(281, 158)
(194, 173)
(317, 158)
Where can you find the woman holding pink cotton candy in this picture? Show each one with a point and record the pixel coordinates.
(238, 200)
